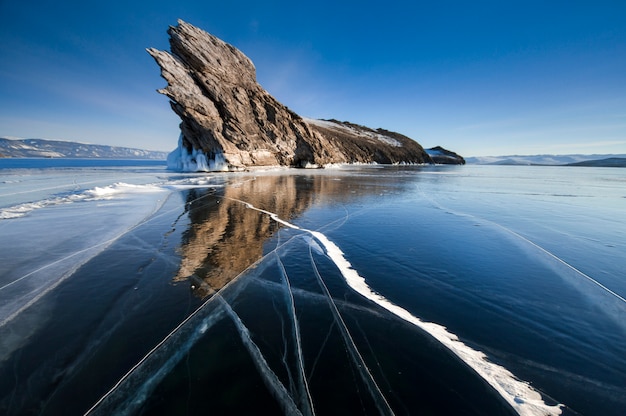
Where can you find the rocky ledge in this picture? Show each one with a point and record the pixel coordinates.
(230, 122)
(442, 156)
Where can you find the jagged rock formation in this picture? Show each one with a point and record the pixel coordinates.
(230, 121)
(442, 156)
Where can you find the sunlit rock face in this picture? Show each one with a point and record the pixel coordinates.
(230, 122)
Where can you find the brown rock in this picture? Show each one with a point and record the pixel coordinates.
(227, 116)
(442, 156)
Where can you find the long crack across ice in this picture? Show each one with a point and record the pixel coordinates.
(518, 394)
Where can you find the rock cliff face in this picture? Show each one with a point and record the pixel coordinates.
(230, 122)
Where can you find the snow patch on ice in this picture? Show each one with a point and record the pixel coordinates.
(108, 192)
(95, 194)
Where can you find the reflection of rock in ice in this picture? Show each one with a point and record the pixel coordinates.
(228, 230)
(225, 237)
(291, 392)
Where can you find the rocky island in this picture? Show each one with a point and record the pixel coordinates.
(229, 122)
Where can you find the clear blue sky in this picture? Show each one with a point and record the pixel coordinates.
(477, 77)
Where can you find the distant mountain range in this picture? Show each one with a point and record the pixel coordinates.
(57, 148)
(610, 160)
(63, 149)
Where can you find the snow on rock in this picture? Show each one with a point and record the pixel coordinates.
(442, 156)
(356, 130)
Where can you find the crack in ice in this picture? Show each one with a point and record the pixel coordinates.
(526, 240)
(305, 394)
(269, 377)
(357, 358)
(518, 394)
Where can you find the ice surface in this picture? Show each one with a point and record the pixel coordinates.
(613, 305)
(519, 394)
(73, 228)
(141, 380)
(455, 257)
(95, 194)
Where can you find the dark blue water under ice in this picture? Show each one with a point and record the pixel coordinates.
(130, 289)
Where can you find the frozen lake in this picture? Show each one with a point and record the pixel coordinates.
(130, 289)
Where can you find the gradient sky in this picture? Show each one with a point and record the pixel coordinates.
(480, 77)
